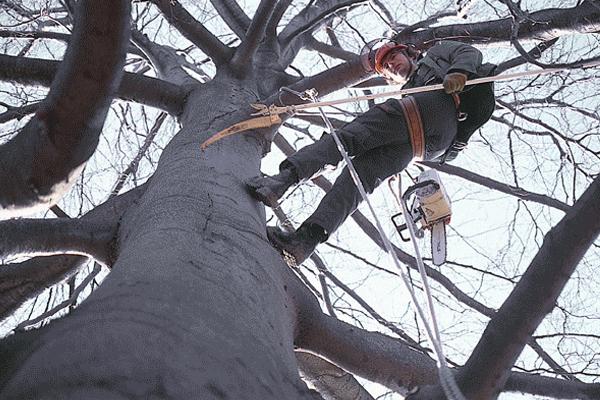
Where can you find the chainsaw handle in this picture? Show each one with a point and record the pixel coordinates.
(400, 228)
(418, 186)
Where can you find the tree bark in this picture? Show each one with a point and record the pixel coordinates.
(196, 284)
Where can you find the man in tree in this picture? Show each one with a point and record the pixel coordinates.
(383, 140)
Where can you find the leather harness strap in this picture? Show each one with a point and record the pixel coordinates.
(414, 125)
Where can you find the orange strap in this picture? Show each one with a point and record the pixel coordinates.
(456, 99)
(414, 125)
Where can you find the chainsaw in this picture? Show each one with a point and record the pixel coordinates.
(430, 210)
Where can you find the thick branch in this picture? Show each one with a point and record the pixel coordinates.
(499, 186)
(166, 61)
(328, 81)
(256, 31)
(280, 9)
(233, 15)
(141, 89)
(43, 160)
(393, 363)
(63, 37)
(193, 30)
(533, 297)
(44, 237)
(21, 282)
(332, 382)
(331, 51)
(18, 112)
(541, 25)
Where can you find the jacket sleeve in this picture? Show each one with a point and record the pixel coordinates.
(459, 56)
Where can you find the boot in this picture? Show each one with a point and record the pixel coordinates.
(299, 244)
(269, 189)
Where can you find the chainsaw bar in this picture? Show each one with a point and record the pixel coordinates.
(438, 243)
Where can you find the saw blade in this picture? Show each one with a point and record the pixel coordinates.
(438, 243)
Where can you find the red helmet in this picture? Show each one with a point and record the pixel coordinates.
(387, 48)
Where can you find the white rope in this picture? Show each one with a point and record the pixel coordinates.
(447, 381)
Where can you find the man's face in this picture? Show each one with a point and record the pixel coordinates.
(398, 66)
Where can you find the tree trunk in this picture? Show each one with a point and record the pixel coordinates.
(195, 306)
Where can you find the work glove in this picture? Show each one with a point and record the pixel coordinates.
(454, 82)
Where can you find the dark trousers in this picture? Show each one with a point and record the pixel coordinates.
(379, 144)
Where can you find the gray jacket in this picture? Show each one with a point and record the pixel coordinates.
(449, 56)
(477, 101)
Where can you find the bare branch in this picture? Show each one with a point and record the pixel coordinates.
(534, 53)
(18, 112)
(43, 237)
(331, 51)
(233, 15)
(21, 282)
(242, 59)
(42, 161)
(194, 31)
(141, 89)
(133, 165)
(321, 266)
(63, 37)
(312, 17)
(392, 363)
(499, 186)
(426, 22)
(280, 9)
(301, 28)
(542, 25)
(520, 16)
(328, 81)
(68, 302)
(164, 59)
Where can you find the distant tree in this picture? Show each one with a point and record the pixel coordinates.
(197, 303)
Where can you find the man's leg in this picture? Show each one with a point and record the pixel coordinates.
(343, 198)
(373, 129)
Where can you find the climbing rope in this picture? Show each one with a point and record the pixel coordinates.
(446, 377)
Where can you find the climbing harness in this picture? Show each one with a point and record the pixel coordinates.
(266, 116)
(446, 376)
(431, 208)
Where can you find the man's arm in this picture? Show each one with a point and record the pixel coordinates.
(461, 57)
